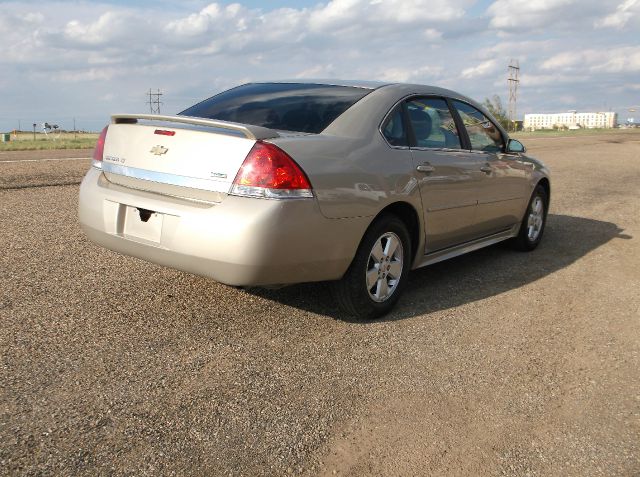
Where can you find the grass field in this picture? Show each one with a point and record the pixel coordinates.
(574, 132)
(25, 142)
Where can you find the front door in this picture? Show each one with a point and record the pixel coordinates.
(502, 191)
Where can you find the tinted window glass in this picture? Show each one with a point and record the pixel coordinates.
(394, 130)
(483, 134)
(433, 125)
(286, 106)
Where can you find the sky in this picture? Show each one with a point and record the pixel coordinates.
(61, 60)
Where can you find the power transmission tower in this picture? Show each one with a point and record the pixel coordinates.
(514, 79)
(154, 101)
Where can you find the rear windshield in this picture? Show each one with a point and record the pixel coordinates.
(286, 106)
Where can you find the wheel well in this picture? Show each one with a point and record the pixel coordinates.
(407, 213)
(544, 182)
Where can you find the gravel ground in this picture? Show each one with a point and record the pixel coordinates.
(496, 363)
(25, 169)
(44, 154)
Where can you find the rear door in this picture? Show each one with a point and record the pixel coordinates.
(448, 175)
(503, 184)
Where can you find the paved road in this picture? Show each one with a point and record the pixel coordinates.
(494, 363)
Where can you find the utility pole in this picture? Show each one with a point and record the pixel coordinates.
(514, 79)
(154, 101)
(75, 133)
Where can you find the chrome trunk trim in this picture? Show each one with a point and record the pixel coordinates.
(164, 178)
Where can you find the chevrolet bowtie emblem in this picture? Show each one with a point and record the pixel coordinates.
(158, 150)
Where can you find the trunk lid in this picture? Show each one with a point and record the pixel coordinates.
(178, 155)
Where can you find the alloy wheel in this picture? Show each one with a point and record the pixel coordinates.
(384, 267)
(535, 219)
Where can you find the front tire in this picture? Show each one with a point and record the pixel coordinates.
(379, 271)
(534, 221)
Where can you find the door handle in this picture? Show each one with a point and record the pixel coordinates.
(486, 169)
(425, 168)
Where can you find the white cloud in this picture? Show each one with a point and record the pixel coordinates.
(626, 11)
(341, 14)
(521, 50)
(553, 80)
(432, 34)
(566, 61)
(19, 35)
(606, 60)
(521, 17)
(512, 14)
(86, 50)
(425, 74)
(483, 69)
(317, 71)
(196, 23)
(91, 75)
(212, 18)
(105, 29)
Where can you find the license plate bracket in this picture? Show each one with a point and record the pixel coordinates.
(143, 224)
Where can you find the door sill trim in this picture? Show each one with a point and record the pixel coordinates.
(447, 253)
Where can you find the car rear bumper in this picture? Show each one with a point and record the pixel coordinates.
(239, 241)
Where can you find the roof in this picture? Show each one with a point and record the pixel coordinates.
(372, 85)
(332, 82)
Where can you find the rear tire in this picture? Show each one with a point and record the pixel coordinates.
(379, 271)
(533, 222)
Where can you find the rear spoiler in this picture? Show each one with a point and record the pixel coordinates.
(249, 131)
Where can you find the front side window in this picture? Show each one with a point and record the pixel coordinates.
(299, 107)
(432, 123)
(483, 134)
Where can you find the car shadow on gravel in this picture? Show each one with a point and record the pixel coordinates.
(475, 276)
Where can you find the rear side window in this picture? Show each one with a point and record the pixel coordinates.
(394, 130)
(432, 123)
(296, 107)
(483, 134)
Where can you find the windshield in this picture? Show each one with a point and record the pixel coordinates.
(297, 107)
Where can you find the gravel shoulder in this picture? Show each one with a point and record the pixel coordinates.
(26, 169)
(497, 362)
(44, 154)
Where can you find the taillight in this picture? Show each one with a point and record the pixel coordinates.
(269, 172)
(98, 152)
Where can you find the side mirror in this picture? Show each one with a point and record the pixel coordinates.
(515, 146)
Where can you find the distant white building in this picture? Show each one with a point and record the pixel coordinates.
(570, 120)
